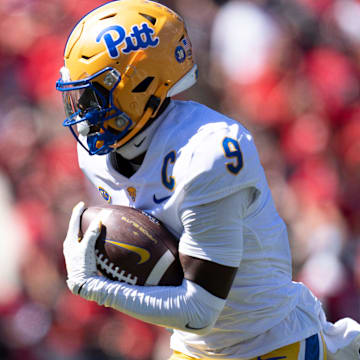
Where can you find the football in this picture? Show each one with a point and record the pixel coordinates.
(134, 247)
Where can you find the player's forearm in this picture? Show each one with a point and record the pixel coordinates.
(187, 307)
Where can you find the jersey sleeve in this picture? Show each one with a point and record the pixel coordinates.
(219, 162)
(224, 178)
(214, 231)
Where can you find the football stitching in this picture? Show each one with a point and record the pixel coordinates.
(109, 268)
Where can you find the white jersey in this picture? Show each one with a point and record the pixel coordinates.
(198, 156)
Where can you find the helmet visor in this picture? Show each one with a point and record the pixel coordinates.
(79, 101)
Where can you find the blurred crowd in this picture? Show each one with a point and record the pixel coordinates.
(289, 70)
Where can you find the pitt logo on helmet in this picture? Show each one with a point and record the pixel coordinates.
(139, 38)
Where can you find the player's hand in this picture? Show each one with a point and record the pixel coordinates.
(79, 252)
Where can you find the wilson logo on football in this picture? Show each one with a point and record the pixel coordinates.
(139, 38)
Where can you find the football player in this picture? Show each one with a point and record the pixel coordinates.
(197, 171)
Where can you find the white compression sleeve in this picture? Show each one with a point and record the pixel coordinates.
(188, 307)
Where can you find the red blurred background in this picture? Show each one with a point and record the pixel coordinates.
(288, 70)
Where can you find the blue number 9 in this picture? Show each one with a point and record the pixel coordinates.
(232, 151)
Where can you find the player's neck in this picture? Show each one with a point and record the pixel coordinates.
(138, 160)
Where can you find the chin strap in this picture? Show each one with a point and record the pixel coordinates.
(152, 107)
(140, 143)
(154, 104)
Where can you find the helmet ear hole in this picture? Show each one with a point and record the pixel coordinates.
(143, 85)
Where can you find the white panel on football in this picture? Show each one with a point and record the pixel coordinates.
(160, 268)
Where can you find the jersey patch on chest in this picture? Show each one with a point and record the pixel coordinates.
(104, 194)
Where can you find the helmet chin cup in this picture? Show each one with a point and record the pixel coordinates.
(100, 142)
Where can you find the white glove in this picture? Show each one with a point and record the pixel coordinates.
(79, 252)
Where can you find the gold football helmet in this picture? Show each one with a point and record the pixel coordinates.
(121, 61)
